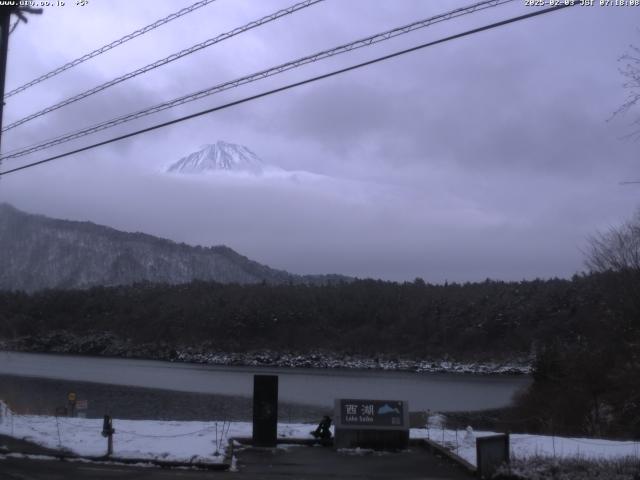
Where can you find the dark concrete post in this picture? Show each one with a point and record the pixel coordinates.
(265, 410)
(491, 453)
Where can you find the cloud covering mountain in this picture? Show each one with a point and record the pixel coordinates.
(487, 156)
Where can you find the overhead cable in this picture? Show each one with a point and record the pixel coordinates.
(105, 48)
(363, 42)
(164, 61)
(291, 85)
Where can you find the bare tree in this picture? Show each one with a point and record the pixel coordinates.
(630, 70)
(617, 249)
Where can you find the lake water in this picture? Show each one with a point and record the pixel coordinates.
(438, 392)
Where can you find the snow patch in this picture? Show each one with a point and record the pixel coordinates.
(202, 442)
(531, 446)
(208, 441)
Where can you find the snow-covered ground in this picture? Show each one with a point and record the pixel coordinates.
(463, 444)
(207, 441)
(148, 439)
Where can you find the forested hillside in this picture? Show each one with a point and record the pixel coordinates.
(477, 321)
(38, 252)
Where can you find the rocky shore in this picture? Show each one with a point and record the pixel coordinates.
(107, 344)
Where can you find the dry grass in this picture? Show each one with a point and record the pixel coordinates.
(576, 468)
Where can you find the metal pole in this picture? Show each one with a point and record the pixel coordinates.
(5, 26)
(108, 431)
(5, 23)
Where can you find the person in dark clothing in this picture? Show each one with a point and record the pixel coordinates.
(323, 431)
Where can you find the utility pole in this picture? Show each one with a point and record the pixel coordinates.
(5, 23)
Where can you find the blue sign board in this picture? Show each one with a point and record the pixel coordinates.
(372, 413)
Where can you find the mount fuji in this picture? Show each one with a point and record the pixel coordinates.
(221, 157)
(230, 164)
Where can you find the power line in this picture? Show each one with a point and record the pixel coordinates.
(364, 42)
(110, 46)
(293, 85)
(164, 61)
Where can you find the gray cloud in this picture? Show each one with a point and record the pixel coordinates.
(486, 157)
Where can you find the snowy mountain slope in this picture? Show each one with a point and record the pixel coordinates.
(236, 164)
(220, 156)
(38, 252)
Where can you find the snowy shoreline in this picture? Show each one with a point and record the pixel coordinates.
(107, 347)
(331, 361)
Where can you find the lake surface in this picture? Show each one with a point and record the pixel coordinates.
(434, 391)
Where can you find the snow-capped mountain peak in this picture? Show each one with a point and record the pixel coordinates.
(220, 156)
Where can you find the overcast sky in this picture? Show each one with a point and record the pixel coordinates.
(488, 156)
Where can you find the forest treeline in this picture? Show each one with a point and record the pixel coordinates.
(472, 321)
(582, 334)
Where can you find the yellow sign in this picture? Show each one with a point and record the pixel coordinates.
(72, 396)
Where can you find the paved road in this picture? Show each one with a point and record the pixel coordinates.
(286, 462)
(25, 469)
(299, 463)
(313, 463)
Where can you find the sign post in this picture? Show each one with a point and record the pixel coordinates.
(378, 424)
(81, 408)
(265, 410)
(72, 403)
